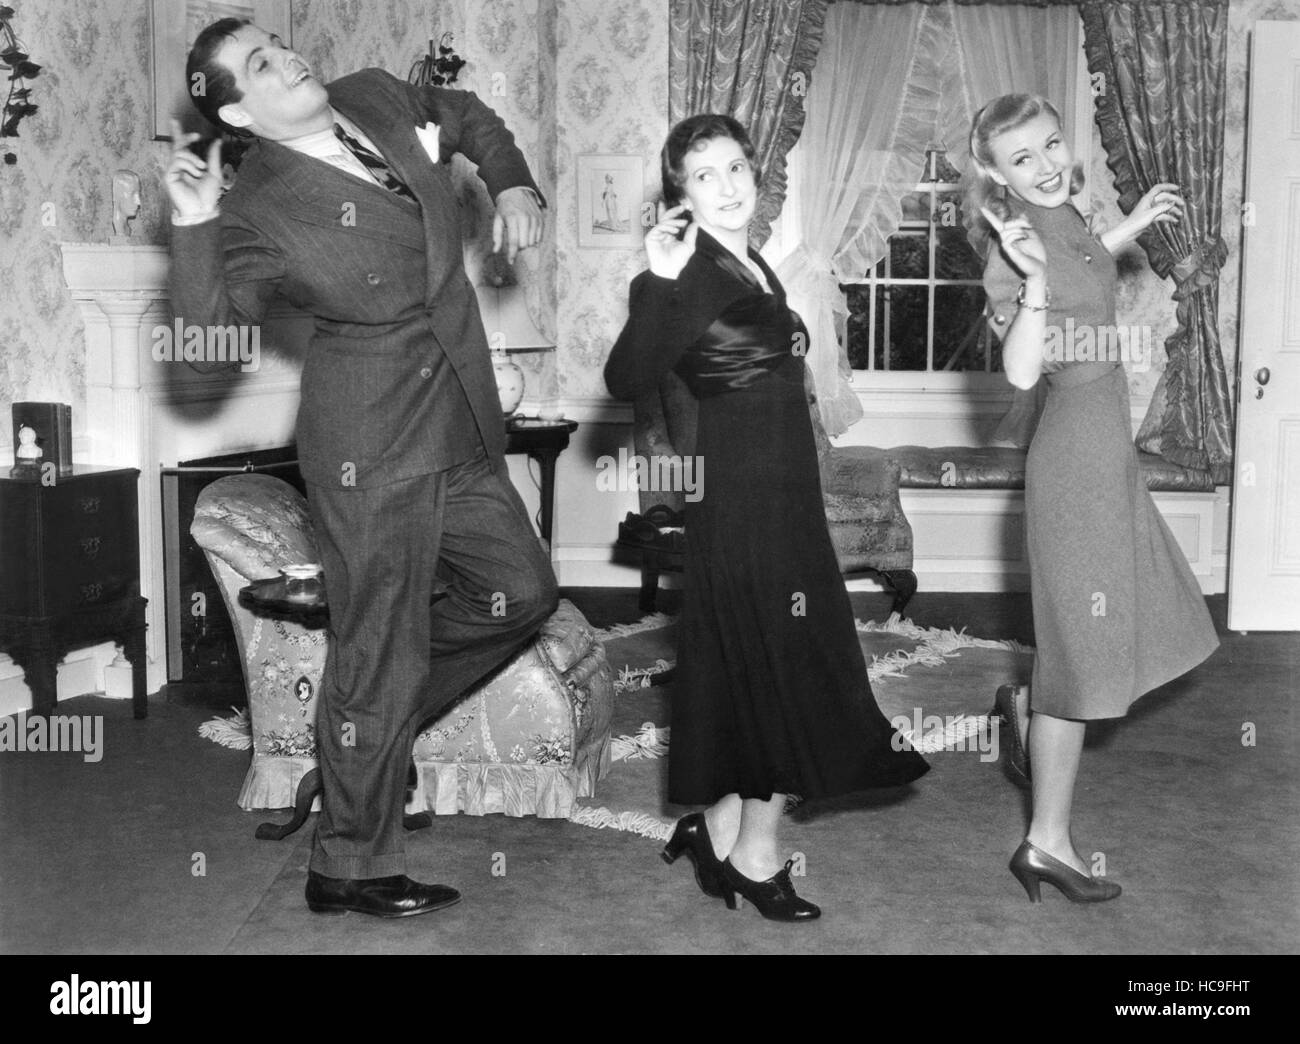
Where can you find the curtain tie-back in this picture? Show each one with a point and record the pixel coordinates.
(809, 274)
(1200, 268)
(814, 292)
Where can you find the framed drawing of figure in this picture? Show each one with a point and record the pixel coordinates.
(610, 201)
(174, 25)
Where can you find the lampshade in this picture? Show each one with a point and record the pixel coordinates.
(505, 313)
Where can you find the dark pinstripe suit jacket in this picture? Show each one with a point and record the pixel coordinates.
(398, 379)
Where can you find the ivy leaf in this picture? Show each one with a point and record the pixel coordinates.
(6, 13)
(13, 55)
(25, 71)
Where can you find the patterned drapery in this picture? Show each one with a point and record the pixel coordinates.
(967, 3)
(1160, 109)
(750, 59)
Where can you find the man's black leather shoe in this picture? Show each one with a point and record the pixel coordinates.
(397, 896)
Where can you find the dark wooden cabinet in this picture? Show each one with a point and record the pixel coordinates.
(70, 573)
(201, 648)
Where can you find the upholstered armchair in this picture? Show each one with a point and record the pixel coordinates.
(528, 742)
(860, 491)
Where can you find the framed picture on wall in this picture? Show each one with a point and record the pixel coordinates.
(610, 192)
(174, 25)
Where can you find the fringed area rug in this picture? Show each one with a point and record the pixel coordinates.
(936, 685)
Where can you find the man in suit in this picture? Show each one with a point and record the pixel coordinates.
(344, 206)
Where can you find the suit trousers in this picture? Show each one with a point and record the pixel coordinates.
(394, 660)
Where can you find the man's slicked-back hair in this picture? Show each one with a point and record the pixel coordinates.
(209, 83)
(695, 132)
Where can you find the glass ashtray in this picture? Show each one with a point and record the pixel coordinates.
(302, 583)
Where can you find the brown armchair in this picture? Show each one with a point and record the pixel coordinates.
(860, 490)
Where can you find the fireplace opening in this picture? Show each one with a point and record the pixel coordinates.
(201, 649)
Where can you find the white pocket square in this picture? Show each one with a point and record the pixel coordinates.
(428, 135)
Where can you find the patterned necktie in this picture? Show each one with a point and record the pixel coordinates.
(374, 163)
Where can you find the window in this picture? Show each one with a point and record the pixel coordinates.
(916, 319)
(921, 307)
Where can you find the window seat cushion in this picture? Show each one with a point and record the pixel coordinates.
(998, 467)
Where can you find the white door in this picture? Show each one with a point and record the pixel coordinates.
(1264, 565)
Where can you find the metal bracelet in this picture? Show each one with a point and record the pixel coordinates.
(1047, 300)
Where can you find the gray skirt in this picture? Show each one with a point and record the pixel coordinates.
(1117, 611)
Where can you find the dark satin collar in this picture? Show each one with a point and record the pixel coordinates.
(729, 262)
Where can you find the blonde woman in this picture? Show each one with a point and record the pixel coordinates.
(1117, 611)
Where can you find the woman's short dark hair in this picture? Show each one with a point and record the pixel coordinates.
(695, 132)
(209, 83)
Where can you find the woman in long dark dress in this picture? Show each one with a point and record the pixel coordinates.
(771, 696)
(1117, 611)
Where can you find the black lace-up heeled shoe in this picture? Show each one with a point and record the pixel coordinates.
(692, 836)
(1032, 865)
(775, 898)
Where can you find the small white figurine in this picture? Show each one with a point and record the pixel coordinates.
(126, 202)
(27, 450)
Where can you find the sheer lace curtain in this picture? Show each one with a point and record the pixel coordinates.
(1007, 50)
(890, 82)
(852, 112)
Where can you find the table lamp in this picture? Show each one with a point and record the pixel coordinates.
(510, 334)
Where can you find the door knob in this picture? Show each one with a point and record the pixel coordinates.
(1262, 375)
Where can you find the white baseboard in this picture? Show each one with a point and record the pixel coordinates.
(81, 673)
(970, 541)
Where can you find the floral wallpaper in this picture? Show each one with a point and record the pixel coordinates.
(568, 76)
(611, 97)
(95, 117)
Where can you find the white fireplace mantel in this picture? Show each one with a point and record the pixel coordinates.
(145, 414)
(92, 269)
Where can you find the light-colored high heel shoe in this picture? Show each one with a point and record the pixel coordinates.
(1032, 865)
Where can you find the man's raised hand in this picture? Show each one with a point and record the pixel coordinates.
(518, 221)
(194, 185)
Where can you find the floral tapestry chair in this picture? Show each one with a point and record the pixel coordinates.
(529, 741)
